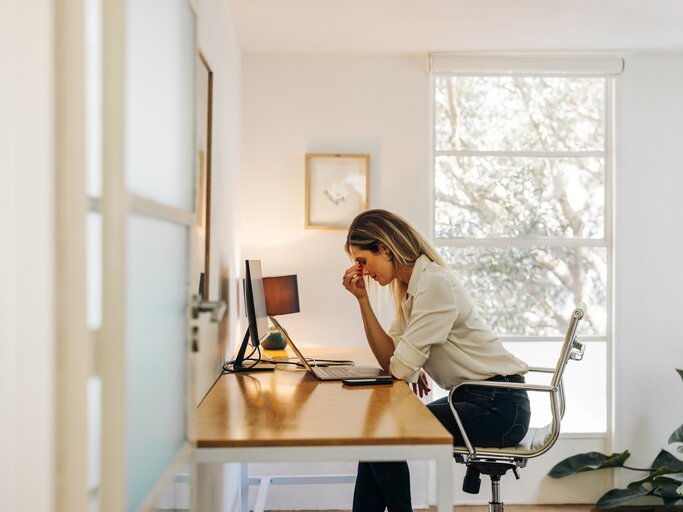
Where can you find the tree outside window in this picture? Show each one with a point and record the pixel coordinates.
(520, 203)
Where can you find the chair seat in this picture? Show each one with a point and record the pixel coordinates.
(534, 440)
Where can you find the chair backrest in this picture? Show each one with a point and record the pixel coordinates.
(572, 349)
(540, 439)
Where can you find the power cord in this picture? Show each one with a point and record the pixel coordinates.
(227, 366)
(298, 364)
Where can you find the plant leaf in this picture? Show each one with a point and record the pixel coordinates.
(617, 497)
(676, 436)
(587, 462)
(652, 476)
(671, 501)
(671, 477)
(680, 372)
(664, 458)
(667, 491)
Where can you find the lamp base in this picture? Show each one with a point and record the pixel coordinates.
(274, 341)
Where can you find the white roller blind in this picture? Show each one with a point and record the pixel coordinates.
(565, 65)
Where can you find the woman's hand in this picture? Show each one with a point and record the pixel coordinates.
(422, 386)
(353, 281)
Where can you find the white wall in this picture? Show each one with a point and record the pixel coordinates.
(294, 105)
(217, 40)
(26, 256)
(649, 277)
(298, 105)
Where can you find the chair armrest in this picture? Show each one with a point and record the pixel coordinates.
(541, 369)
(490, 384)
(507, 385)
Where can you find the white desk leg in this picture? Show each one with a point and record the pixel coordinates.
(244, 487)
(194, 480)
(444, 483)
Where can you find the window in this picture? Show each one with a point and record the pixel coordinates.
(521, 204)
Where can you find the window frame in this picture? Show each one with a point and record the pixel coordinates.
(489, 67)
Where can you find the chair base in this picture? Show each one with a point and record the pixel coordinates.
(495, 470)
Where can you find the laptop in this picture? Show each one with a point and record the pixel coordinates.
(332, 372)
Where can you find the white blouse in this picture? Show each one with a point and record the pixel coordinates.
(444, 334)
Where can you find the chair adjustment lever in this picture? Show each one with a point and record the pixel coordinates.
(514, 470)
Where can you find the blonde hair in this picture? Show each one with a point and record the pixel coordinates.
(375, 228)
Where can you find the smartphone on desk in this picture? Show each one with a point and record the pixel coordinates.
(375, 381)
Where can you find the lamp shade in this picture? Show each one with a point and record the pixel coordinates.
(282, 295)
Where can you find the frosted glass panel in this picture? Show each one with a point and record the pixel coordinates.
(155, 350)
(160, 77)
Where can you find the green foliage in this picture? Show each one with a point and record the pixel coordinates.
(587, 462)
(665, 479)
(617, 497)
(676, 436)
(518, 159)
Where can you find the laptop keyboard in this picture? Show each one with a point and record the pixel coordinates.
(335, 372)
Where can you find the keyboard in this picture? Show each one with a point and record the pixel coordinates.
(335, 371)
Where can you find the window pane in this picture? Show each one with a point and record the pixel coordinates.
(585, 384)
(532, 292)
(508, 113)
(519, 197)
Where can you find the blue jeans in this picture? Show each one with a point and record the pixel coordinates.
(492, 417)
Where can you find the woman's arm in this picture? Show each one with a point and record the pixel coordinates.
(380, 342)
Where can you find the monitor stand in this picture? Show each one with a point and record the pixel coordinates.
(240, 365)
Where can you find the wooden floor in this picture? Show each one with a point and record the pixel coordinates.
(508, 508)
(528, 508)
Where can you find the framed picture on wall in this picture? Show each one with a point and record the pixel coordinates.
(203, 132)
(337, 189)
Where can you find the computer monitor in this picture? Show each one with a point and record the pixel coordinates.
(255, 301)
(255, 306)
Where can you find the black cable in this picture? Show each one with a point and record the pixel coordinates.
(226, 366)
(299, 364)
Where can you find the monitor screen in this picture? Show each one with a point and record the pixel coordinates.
(255, 302)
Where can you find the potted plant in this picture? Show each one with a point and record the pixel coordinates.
(665, 479)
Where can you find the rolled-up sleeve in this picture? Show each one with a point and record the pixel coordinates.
(406, 362)
(431, 319)
(395, 331)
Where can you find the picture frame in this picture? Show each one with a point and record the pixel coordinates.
(337, 189)
(204, 135)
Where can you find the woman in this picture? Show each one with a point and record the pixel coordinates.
(437, 332)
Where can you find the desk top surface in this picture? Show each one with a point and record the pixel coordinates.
(289, 407)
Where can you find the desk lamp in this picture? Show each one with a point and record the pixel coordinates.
(282, 298)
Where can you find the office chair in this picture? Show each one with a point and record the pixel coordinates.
(495, 462)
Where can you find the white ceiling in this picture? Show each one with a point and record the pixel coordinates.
(422, 26)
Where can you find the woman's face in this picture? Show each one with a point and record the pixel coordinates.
(376, 265)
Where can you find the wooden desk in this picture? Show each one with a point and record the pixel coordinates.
(289, 416)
